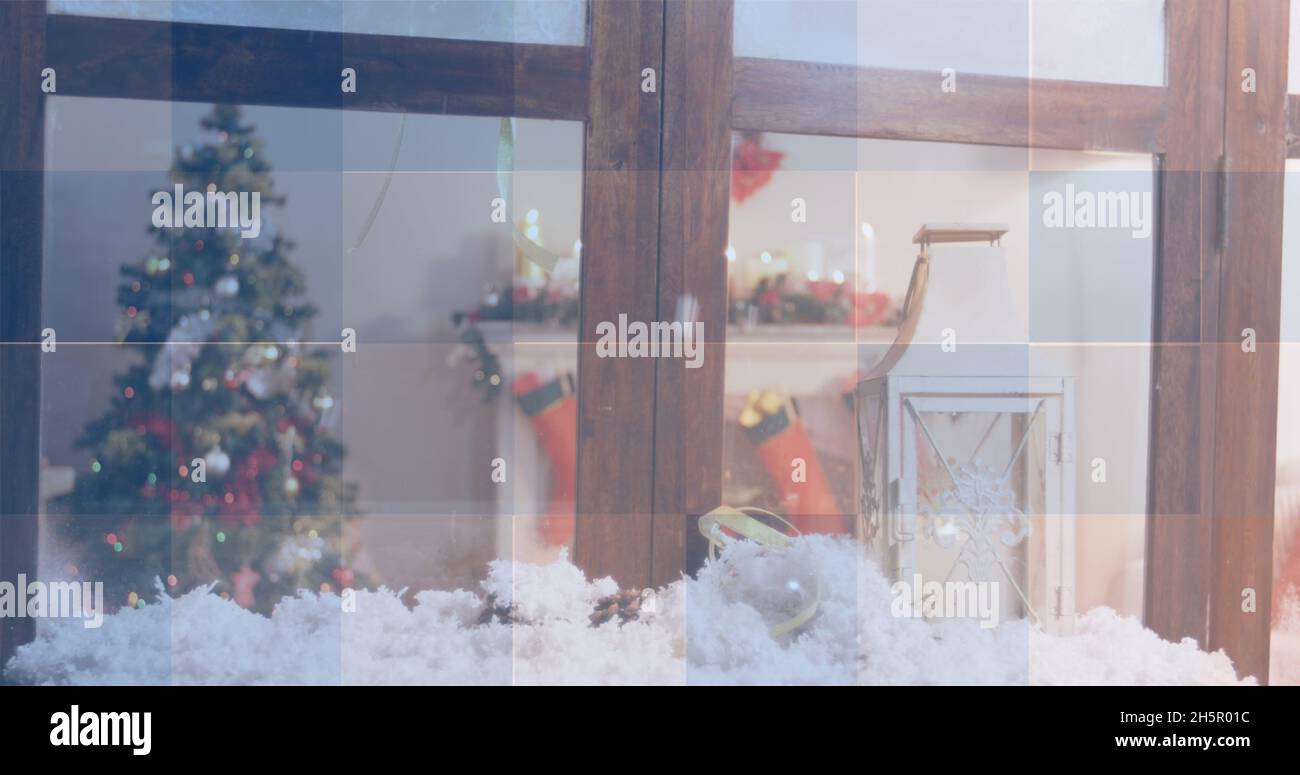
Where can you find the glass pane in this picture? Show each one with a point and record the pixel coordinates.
(1114, 42)
(559, 22)
(821, 260)
(981, 489)
(1284, 667)
(374, 376)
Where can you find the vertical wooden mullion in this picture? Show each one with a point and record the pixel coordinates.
(620, 233)
(697, 86)
(22, 125)
(1250, 276)
(1184, 373)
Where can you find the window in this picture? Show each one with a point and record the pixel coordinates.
(478, 191)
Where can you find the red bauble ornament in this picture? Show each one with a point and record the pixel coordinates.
(183, 519)
(157, 426)
(242, 505)
(257, 461)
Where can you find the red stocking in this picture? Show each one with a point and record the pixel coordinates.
(807, 500)
(1286, 546)
(552, 407)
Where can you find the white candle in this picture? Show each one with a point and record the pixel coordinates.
(867, 272)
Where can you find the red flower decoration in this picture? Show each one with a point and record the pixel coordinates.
(870, 309)
(752, 166)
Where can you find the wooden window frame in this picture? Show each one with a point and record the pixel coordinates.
(22, 186)
(655, 210)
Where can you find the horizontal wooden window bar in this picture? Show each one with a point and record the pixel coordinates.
(152, 60)
(778, 95)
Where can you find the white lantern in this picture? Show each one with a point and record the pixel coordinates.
(967, 438)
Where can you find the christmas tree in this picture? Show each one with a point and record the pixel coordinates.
(224, 380)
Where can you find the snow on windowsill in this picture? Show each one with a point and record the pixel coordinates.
(709, 630)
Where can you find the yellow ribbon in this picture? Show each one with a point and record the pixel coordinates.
(740, 522)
